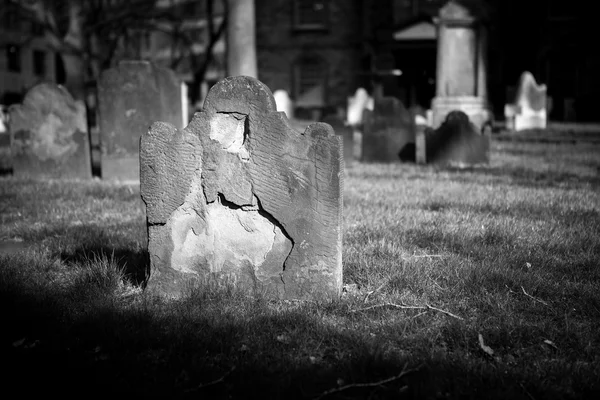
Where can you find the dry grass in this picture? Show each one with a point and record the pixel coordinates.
(477, 283)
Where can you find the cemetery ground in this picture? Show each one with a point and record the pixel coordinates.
(458, 283)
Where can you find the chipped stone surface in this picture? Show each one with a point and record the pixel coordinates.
(49, 135)
(239, 195)
(131, 96)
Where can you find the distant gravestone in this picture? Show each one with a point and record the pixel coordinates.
(284, 103)
(131, 97)
(456, 142)
(357, 104)
(49, 135)
(388, 131)
(5, 151)
(346, 133)
(240, 196)
(530, 105)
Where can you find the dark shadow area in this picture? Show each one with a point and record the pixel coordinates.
(52, 345)
(408, 153)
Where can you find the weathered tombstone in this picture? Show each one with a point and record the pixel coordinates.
(239, 195)
(461, 82)
(388, 131)
(457, 142)
(346, 133)
(421, 144)
(49, 137)
(284, 103)
(131, 97)
(530, 110)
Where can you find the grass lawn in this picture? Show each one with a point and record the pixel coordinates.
(481, 283)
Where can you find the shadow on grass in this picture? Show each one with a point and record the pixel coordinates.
(217, 344)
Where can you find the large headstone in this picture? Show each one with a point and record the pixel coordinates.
(346, 133)
(240, 196)
(530, 104)
(457, 142)
(49, 137)
(388, 132)
(131, 97)
(461, 82)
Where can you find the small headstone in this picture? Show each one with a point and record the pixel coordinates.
(240, 196)
(49, 135)
(357, 104)
(284, 103)
(346, 133)
(457, 142)
(388, 132)
(530, 104)
(131, 97)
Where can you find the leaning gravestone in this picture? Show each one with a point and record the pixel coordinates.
(240, 196)
(389, 130)
(49, 135)
(346, 133)
(456, 142)
(131, 97)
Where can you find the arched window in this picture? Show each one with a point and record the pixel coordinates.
(310, 81)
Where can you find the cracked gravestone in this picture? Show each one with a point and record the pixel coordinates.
(457, 142)
(388, 131)
(131, 96)
(49, 136)
(240, 196)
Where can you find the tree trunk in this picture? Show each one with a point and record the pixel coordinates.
(74, 61)
(241, 41)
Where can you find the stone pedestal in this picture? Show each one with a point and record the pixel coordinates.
(461, 66)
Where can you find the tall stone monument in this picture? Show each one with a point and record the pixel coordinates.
(240, 196)
(131, 97)
(461, 66)
(49, 137)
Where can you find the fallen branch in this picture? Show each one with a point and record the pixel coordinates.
(203, 385)
(402, 374)
(534, 298)
(373, 291)
(401, 306)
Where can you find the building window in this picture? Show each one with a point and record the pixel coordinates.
(310, 80)
(311, 14)
(13, 58)
(39, 62)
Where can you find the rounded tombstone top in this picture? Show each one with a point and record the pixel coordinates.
(242, 94)
(462, 12)
(457, 117)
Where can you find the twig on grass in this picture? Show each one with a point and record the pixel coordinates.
(424, 255)
(534, 298)
(219, 380)
(425, 307)
(402, 374)
(373, 291)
